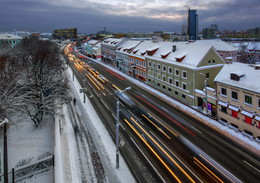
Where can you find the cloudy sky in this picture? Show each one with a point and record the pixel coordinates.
(91, 16)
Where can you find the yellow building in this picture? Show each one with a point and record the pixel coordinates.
(238, 93)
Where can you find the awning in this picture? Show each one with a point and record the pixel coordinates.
(233, 108)
(222, 104)
(247, 114)
(257, 118)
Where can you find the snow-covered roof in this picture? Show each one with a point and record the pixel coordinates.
(219, 45)
(247, 46)
(192, 52)
(129, 44)
(93, 42)
(112, 41)
(9, 36)
(248, 81)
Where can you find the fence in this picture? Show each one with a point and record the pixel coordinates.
(21, 173)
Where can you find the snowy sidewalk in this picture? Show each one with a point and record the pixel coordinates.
(101, 138)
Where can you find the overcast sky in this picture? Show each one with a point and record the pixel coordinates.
(91, 16)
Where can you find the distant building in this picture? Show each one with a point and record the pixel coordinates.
(108, 49)
(193, 24)
(209, 33)
(228, 52)
(214, 26)
(9, 40)
(101, 35)
(70, 33)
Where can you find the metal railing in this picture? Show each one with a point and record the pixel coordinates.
(30, 170)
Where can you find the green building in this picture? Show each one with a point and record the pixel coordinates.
(179, 68)
(9, 40)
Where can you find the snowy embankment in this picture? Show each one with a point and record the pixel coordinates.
(247, 142)
(100, 136)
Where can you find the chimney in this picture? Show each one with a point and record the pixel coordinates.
(173, 48)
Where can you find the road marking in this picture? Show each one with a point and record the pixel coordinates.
(104, 104)
(165, 109)
(114, 116)
(176, 157)
(147, 160)
(108, 91)
(122, 126)
(95, 92)
(251, 166)
(196, 129)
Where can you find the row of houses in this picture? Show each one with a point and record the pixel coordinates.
(191, 72)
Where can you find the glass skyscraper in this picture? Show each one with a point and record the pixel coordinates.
(193, 24)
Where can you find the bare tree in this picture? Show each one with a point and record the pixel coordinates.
(11, 91)
(44, 79)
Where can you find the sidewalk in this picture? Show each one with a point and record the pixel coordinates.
(101, 138)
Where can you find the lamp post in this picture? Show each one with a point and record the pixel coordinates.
(117, 126)
(206, 91)
(4, 123)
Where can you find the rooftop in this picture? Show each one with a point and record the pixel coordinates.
(247, 81)
(9, 36)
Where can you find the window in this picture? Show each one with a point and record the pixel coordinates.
(176, 82)
(184, 74)
(248, 99)
(164, 87)
(149, 64)
(169, 89)
(170, 80)
(224, 91)
(159, 76)
(164, 68)
(158, 84)
(184, 86)
(177, 72)
(183, 96)
(234, 95)
(170, 70)
(158, 66)
(234, 114)
(248, 120)
(176, 93)
(207, 75)
(164, 78)
(223, 109)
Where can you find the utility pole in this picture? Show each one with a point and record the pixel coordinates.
(4, 123)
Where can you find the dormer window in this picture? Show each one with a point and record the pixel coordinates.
(236, 76)
(151, 51)
(135, 51)
(164, 56)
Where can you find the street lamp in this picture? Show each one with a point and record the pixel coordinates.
(206, 91)
(118, 124)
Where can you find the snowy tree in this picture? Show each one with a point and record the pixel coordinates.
(11, 91)
(44, 78)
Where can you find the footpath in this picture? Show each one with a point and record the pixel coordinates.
(74, 160)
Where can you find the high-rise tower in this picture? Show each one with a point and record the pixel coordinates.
(192, 24)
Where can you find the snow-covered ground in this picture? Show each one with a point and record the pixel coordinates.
(26, 142)
(102, 140)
